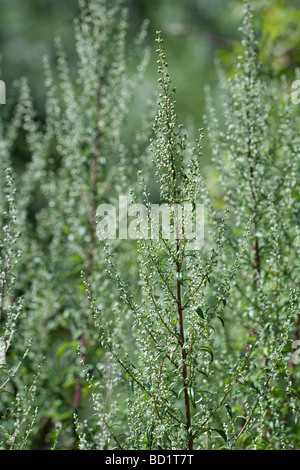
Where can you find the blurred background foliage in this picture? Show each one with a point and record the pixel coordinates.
(196, 32)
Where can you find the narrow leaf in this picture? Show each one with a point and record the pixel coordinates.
(221, 432)
(200, 312)
(228, 408)
(206, 348)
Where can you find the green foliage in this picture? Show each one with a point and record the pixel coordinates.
(149, 344)
(259, 149)
(78, 160)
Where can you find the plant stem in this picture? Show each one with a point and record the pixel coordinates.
(183, 351)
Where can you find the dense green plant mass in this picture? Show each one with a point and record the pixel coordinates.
(152, 343)
(78, 159)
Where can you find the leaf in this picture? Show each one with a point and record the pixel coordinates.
(228, 408)
(224, 302)
(191, 395)
(221, 320)
(206, 348)
(191, 254)
(221, 432)
(202, 372)
(212, 306)
(201, 392)
(132, 365)
(149, 431)
(200, 312)
(240, 417)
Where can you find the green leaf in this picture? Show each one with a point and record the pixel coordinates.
(207, 349)
(202, 372)
(240, 417)
(221, 432)
(200, 312)
(149, 431)
(191, 395)
(229, 410)
(201, 392)
(212, 306)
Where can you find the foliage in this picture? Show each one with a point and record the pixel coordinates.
(149, 343)
(77, 160)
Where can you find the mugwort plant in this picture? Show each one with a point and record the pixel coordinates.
(149, 309)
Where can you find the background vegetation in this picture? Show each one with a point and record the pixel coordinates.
(66, 147)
